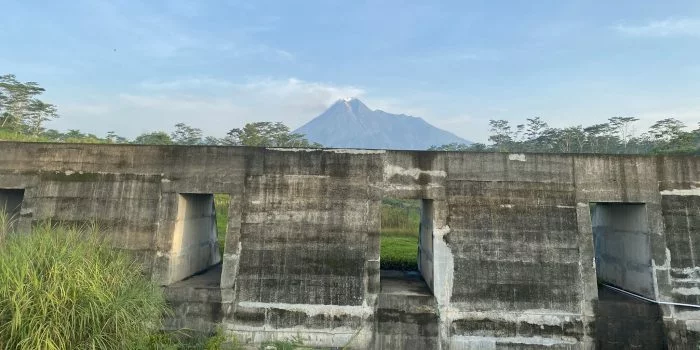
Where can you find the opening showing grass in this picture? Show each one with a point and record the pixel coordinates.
(399, 253)
(399, 235)
(221, 205)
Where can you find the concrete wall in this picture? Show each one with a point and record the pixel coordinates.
(194, 238)
(309, 246)
(11, 201)
(425, 242)
(622, 246)
(515, 250)
(678, 273)
(512, 240)
(11, 205)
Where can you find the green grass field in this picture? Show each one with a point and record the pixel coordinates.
(399, 250)
(399, 234)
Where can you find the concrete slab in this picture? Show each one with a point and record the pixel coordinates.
(208, 279)
(403, 283)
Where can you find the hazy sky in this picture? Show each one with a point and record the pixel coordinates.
(137, 66)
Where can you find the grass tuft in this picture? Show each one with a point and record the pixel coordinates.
(64, 288)
(183, 340)
(295, 343)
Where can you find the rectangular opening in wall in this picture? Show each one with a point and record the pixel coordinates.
(622, 246)
(10, 206)
(196, 239)
(406, 244)
(222, 201)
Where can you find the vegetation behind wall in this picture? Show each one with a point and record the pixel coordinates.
(399, 235)
(23, 116)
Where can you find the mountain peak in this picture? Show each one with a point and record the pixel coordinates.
(349, 101)
(352, 104)
(349, 123)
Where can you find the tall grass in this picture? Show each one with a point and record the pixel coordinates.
(401, 216)
(5, 223)
(64, 288)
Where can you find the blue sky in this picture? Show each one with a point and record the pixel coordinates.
(138, 66)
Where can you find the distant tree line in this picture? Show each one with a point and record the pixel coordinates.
(259, 134)
(666, 136)
(23, 115)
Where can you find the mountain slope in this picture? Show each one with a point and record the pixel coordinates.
(351, 124)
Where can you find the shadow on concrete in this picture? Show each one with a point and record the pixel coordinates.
(403, 282)
(626, 322)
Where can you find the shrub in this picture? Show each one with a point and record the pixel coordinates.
(294, 343)
(185, 340)
(64, 288)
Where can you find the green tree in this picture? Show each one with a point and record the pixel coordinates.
(623, 128)
(212, 141)
(112, 137)
(669, 136)
(186, 135)
(572, 139)
(20, 110)
(665, 130)
(597, 137)
(501, 135)
(267, 134)
(76, 136)
(534, 130)
(53, 135)
(456, 146)
(153, 138)
(39, 112)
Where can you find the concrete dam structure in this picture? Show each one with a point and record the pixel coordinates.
(516, 251)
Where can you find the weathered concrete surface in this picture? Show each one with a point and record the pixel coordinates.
(425, 242)
(623, 254)
(196, 302)
(406, 316)
(194, 239)
(10, 205)
(510, 260)
(628, 323)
